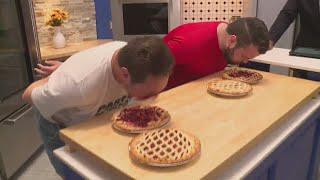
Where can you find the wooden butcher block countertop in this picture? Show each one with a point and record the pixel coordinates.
(226, 127)
(50, 53)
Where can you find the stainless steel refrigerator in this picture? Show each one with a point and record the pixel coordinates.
(19, 52)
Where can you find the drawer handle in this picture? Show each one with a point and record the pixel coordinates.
(11, 121)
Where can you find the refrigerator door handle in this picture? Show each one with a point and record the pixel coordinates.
(14, 118)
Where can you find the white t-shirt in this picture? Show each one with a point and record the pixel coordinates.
(82, 87)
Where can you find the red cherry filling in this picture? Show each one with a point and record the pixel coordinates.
(245, 74)
(140, 116)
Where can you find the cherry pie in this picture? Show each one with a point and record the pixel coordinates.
(242, 75)
(164, 147)
(140, 118)
(229, 88)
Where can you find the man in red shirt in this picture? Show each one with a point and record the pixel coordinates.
(204, 48)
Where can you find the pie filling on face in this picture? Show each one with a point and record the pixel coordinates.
(164, 147)
(140, 118)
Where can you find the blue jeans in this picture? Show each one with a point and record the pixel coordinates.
(49, 133)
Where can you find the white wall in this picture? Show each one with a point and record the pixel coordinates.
(268, 11)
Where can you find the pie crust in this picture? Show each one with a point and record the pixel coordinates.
(229, 88)
(164, 147)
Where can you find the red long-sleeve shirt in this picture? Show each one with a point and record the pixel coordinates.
(195, 48)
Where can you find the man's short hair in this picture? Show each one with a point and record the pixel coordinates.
(250, 30)
(145, 56)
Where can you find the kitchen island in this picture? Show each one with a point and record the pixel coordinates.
(270, 134)
(280, 57)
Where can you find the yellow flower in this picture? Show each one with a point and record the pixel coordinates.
(57, 17)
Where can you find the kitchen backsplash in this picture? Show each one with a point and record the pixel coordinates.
(213, 10)
(80, 26)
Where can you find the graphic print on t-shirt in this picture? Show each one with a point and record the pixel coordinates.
(113, 105)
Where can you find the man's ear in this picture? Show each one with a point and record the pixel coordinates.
(125, 75)
(232, 41)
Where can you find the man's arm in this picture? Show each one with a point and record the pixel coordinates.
(284, 19)
(54, 93)
(27, 93)
(44, 71)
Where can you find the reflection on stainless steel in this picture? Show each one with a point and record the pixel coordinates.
(31, 33)
(13, 75)
(136, 18)
(145, 18)
(19, 139)
(19, 51)
(3, 174)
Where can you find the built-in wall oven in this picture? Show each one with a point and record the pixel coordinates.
(132, 18)
(19, 52)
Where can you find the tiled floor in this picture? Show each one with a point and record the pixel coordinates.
(38, 168)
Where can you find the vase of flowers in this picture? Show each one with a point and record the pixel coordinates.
(56, 19)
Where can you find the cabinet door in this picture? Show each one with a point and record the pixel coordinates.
(19, 139)
(292, 159)
(259, 176)
(294, 162)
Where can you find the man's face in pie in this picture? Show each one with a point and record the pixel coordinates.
(239, 55)
(153, 85)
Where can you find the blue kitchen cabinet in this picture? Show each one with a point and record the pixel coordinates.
(103, 19)
(295, 159)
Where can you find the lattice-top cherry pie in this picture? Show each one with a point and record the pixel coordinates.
(164, 147)
(229, 88)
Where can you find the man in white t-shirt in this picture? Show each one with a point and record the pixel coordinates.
(95, 81)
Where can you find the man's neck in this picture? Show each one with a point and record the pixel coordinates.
(222, 35)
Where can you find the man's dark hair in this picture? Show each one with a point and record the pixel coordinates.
(146, 56)
(250, 30)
